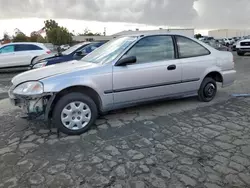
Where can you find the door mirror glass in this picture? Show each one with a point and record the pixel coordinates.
(125, 61)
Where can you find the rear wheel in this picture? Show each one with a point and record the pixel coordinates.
(74, 113)
(208, 90)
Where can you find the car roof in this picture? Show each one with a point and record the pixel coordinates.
(35, 43)
(154, 34)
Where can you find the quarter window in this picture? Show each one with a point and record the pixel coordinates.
(7, 49)
(151, 49)
(189, 48)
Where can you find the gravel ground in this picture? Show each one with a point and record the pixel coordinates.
(206, 147)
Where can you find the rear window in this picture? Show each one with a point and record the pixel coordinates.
(26, 47)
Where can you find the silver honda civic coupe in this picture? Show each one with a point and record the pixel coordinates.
(124, 72)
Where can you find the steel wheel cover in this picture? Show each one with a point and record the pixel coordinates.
(76, 115)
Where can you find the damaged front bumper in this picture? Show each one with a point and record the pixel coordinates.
(34, 106)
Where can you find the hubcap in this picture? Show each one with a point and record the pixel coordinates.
(76, 115)
(209, 90)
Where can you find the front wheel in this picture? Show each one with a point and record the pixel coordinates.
(74, 113)
(208, 90)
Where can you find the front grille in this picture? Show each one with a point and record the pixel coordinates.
(245, 43)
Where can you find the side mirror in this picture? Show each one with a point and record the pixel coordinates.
(126, 61)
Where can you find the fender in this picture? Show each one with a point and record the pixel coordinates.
(209, 70)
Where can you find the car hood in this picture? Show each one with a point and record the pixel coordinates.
(52, 70)
(45, 57)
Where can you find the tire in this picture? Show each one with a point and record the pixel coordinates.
(240, 53)
(208, 90)
(75, 120)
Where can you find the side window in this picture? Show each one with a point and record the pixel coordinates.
(89, 48)
(153, 48)
(189, 48)
(7, 49)
(26, 47)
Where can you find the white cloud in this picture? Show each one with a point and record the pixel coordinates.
(115, 14)
(27, 25)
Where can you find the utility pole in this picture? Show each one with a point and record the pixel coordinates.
(104, 33)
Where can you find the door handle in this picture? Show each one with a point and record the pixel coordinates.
(171, 67)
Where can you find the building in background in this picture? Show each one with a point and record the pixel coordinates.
(185, 32)
(228, 33)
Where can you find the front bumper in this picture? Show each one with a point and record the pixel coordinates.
(32, 105)
(29, 106)
(243, 49)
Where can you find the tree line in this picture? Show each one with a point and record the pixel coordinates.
(55, 34)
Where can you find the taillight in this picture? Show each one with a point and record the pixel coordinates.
(48, 52)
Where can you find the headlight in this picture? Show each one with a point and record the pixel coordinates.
(40, 65)
(29, 88)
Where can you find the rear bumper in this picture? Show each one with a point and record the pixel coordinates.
(228, 77)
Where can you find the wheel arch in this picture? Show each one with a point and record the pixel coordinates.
(216, 75)
(77, 88)
(33, 59)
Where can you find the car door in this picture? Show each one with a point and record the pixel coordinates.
(155, 74)
(25, 53)
(195, 59)
(7, 56)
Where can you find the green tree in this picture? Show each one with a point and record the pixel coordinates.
(87, 32)
(20, 37)
(33, 37)
(36, 37)
(6, 37)
(50, 24)
(57, 35)
(41, 39)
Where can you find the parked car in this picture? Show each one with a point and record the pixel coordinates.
(215, 44)
(65, 47)
(20, 54)
(243, 46)
(123, 72)
(76, 52)
(233, 48)
(226, 42)
(231, 40)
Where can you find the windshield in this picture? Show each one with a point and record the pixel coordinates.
(109, 51)
(72, 49)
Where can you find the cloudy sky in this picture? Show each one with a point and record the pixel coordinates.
(117, 15)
